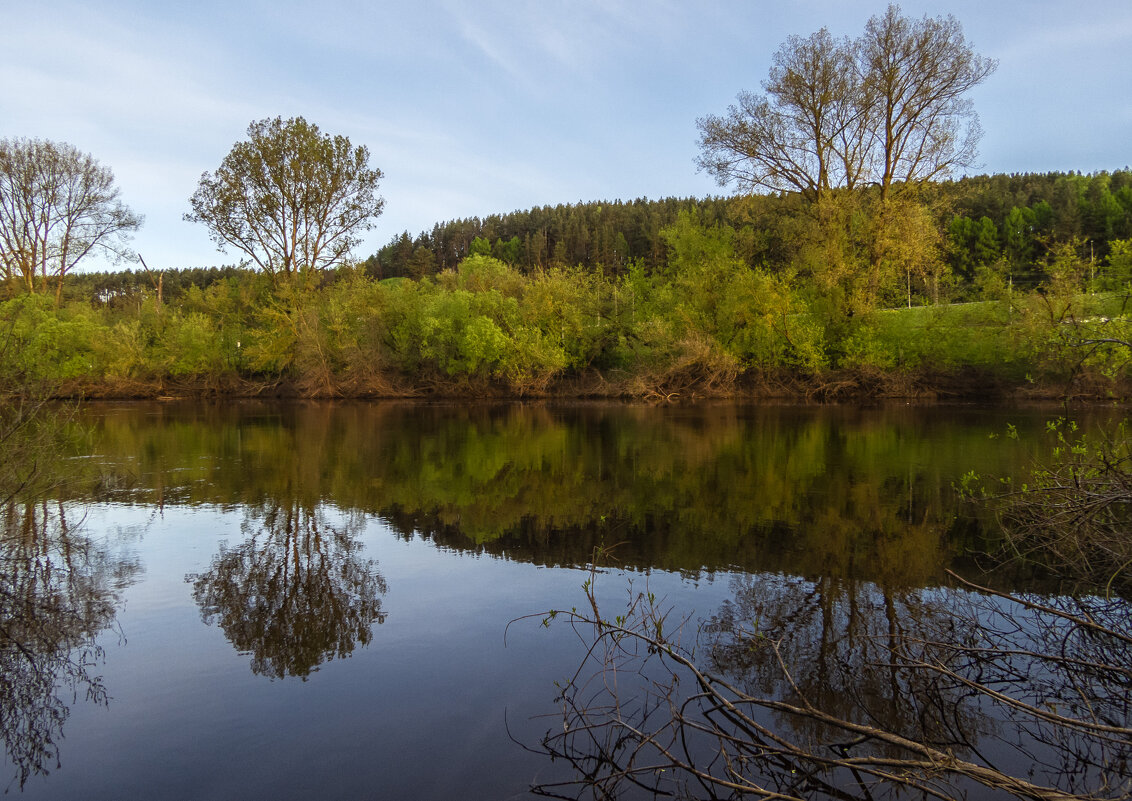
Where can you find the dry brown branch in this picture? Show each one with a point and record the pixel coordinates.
(1072, 515)
(1048, 679)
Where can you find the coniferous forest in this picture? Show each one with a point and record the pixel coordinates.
(983, 221)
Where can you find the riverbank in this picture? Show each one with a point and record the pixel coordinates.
(847, 385)
(487, 331)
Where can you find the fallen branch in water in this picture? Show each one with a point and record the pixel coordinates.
(1047, 679)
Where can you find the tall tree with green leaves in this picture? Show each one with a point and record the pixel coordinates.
(1018, 241)
(290, 198)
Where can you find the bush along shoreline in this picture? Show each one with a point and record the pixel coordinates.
(709, 325)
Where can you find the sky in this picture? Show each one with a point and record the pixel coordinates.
(477, 108)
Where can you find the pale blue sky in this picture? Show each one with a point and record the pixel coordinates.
(476, 108)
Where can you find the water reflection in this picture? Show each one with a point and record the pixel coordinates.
(1034, 687)
(832, 491)
(834, 526)
(58, 591)
(832, 645)
(296, 592)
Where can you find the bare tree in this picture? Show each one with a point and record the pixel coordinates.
(1071, 513)
(57, 205)
(918, 73)
(290, 198)
(804, 135)
(58, 591)
(887, 109)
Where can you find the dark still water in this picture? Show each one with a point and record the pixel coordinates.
(310, 600)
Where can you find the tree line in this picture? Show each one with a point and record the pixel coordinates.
(848, 131)
(289, 199)
(998, 224)
(979, 221)
(705, 324)
(842, 166)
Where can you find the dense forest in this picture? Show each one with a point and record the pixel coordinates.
(982, 219)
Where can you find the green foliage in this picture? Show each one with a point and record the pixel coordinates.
(510, 251)
(482, 273)
(479, 247)
(50, 345)
(576, 310)
(1017, 236)
(193, 345)
(1117, 274)
(775, 232)
(465, 476)
(706, 321)
(123, 350)
(291, 199)
(1066, 270)
(974, 244)
(471, 324)
(457, 337)
(944, 338)
(708, 292)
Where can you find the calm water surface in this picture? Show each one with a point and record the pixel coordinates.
(296, 601)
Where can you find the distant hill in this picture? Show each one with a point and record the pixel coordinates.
(606, 235)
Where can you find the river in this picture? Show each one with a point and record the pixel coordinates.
(312, 600)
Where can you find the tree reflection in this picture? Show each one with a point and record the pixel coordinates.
(58, 591)
(295, 593)
(832, 645)
(702, 488)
